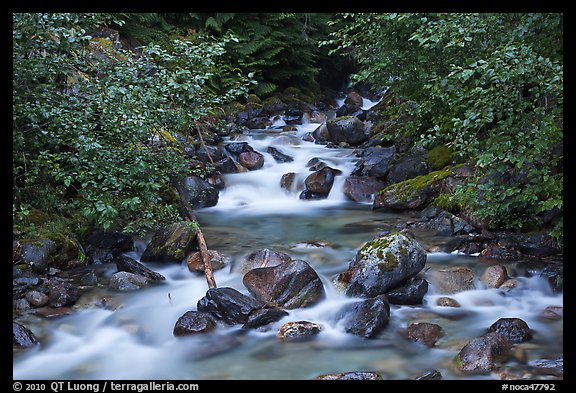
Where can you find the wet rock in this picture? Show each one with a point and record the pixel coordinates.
(251, 160)
(216, 180)
(20, 305)
(198, 192)
(383, 264)
(264, 316)
(278, 155)
(217, 261)
(273, 105)
(127, 264)
(229, 305)
(510, 284)
(171, 243)
(351, 110)
(349, 376)
(287, 181)
(263, 258)
(411, 293)
(321, 133)
(430, 374)
(554, 273)
(258, 123)
(494, 276)
(298, 331)
(515, 329)
(116, 242)
(290, 284)
(317, 117)
(361, 189)
(61, 293)
(375, 162)
(365, 318)
(443, 222)
(320, 182)
(39, 255)
(481, 354)
(226, 165)
(36, 298)
(194, 322)
(22, 336)
(552, 313)
(346, 129)
(447, 302)
(414, 193)
(207, 154)
(423, 332)
(293, 116)
(547, 366)
(238, 147)
(451, 279)
(125, 281)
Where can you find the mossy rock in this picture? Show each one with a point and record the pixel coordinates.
(383, 264)
(171, 243)
(440, 157)
(413, 193)
(253, 99)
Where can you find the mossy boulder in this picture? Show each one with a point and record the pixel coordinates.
(440, 157)
(171, 243)
(273, 105)
(383, 264)
(56, 249)
(415, 193)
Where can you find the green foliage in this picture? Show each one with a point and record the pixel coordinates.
(279, 49)
(490, 86)
(89, 120)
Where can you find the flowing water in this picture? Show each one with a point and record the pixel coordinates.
(131, 337)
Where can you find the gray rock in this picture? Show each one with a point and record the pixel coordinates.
(22, 336)
(194, 322)
(290, 284)
(278, 155)
(198, 192)
(298, 331)
(346, 129)
(451, 279)
(36, 298)
(171, 243)
(383, 264)
(229, 305)
(125, 281)
(482, 354)
(61, 293)
(365, 318)
(515, 329)
(412, 292)
(127, 264)
(361, 189)
(375, 162)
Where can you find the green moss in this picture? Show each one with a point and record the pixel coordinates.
(446, 201)
(254, 99)
(37, 217)
(291, 91)
(390, 261)
(439, 157)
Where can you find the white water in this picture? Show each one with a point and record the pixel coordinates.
(134, 339)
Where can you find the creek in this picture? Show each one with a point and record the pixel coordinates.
(131, 338)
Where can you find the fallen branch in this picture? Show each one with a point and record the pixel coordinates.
(191, 216)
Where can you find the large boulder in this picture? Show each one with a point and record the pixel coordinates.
(412, 292)
(290, 284)
(198, 192)
(482, 354)
(383, 264)
(348, 129)
(320, 182)
(413, 163)
(60, 251)
(171, 243)
(365, 318)
(263, 258)
(229, 305)
(116, 242)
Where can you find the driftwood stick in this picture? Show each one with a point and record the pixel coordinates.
(191, 216)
